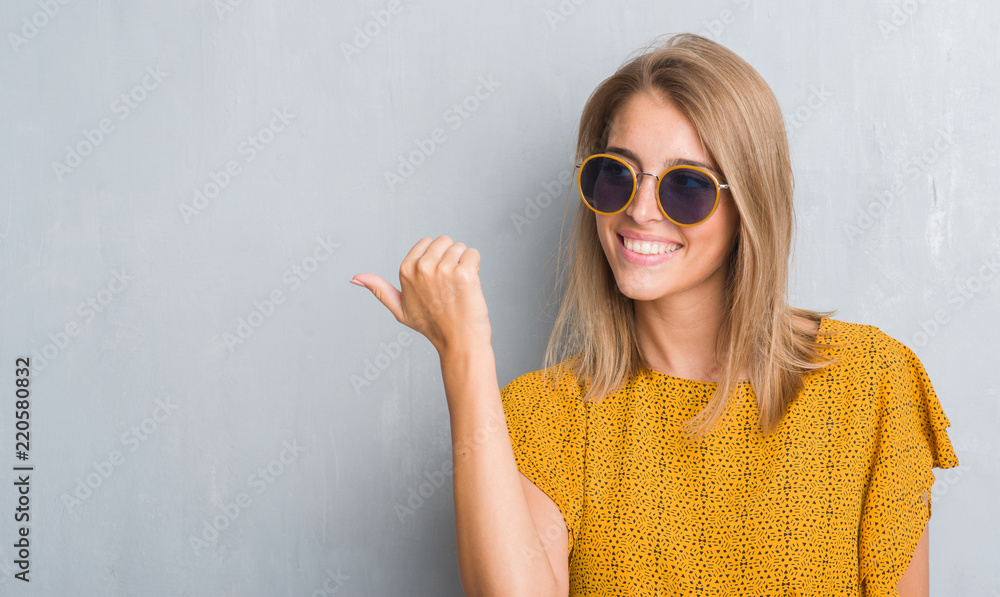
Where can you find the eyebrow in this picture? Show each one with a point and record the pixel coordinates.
(670, 163)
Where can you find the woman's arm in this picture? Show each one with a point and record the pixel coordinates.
(503, 522)
(915, 582)
(495, 514)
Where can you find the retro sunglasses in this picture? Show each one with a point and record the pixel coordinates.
(687, 195)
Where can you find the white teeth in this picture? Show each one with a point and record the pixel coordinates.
(648, 248)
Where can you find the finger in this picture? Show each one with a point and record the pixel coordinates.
(471, 258)
(453, 254)
(409, 262)
(386, 293)
(436, 249)
(419, 248)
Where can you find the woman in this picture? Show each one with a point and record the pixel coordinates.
(691, 433)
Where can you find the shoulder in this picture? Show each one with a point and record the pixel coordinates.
(883, 377)
(543, 398)
(870, 370)
(883, 388)
(555, 383)
(863, 345)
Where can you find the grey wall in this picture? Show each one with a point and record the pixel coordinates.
(201, 363)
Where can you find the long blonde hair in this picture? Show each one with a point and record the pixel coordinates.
(740, 125)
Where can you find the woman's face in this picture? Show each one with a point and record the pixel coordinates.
(651, 134)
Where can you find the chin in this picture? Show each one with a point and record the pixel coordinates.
(638, 291)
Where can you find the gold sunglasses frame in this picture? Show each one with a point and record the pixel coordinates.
(719, 187)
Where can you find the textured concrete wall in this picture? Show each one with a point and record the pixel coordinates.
(186, 187)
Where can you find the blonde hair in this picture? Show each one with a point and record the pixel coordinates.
(740, 125)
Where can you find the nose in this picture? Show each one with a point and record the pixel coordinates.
(645, 205)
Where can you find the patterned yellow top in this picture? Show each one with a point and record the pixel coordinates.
(830, 504)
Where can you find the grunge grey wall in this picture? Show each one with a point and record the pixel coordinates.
(186, 188)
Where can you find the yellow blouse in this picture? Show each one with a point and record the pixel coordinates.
(830, 504)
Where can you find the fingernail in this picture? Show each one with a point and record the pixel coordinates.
(356, 283)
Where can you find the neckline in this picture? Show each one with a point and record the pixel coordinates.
(823, 324)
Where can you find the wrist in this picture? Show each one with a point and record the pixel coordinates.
(468, 370)
(468, 338)
(465, 349)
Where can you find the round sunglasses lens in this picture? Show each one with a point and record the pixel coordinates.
(606, 184)
(687, 195)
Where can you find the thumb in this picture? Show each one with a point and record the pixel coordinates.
(386, 293)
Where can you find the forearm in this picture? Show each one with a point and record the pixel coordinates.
(493, 523)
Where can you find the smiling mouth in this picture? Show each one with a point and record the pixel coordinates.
(644, 247)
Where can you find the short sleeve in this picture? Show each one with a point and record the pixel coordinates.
(547, 435)
(911, 439)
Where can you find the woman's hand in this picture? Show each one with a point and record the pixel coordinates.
(440, 293)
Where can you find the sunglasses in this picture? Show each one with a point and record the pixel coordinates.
(688, 195)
